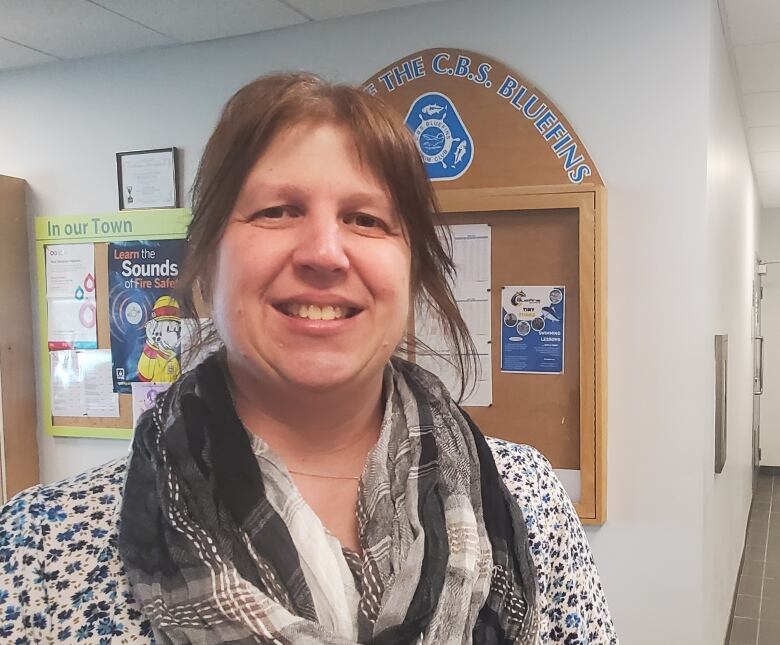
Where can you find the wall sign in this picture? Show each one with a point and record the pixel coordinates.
(481, 124)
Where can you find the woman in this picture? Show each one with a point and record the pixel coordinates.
(304, 484)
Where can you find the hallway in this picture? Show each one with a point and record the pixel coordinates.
(756, 619)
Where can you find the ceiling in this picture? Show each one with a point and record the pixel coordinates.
(753, 28)
(34, 32)
(42, 31)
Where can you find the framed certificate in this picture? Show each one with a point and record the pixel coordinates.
(147, 179)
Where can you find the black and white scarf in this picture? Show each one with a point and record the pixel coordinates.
(211, 560)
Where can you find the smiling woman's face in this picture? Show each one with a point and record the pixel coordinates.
(312, 277)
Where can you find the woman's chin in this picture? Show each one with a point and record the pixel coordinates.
(321, 374)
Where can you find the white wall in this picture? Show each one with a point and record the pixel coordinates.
(770, 327)
(726, 278)
(633, 79)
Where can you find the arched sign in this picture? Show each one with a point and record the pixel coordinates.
(481, 124)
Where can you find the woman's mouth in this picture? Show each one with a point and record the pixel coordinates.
(316, 312)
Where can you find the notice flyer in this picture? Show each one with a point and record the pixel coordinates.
(144, 397)
(144, 316)
(70, 296)
(81, 384)
(532, 325)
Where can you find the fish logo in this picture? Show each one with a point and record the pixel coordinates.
(442, 138)
(432, 109)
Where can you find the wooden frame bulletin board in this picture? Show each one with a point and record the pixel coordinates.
(564, 418)
(500, 152)
(100, 230)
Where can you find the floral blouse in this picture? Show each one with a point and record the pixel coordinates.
(62, 580)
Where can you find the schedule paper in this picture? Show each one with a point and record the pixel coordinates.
(471, 254)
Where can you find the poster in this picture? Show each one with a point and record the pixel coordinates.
(532, 325)
(70, 296)
(471, 287)
(81, 384)
(144, 316)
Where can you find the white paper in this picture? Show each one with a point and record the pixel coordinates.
(72, 324)
(148, 180)
(471, 255)
(572, 484)
(99, 397)
(144, 397)
(81, 384)
(66, 385)
(471, 288)
(70, 271)
(70, 295)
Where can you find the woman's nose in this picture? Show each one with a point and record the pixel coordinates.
(320, 246)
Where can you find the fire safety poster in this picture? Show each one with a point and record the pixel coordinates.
(144, 315)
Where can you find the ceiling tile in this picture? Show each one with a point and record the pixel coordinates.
(320, 10)
(73, 28)
(189, 21)
(753, 21)
(13, 55)
(761, 109)
(758, 67)
(769, 189)
(765, 162)
(765, 139)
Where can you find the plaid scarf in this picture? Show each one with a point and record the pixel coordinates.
(446, 556)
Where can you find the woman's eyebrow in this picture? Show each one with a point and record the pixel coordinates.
(374, 198)
(285, 189)
(291, 191)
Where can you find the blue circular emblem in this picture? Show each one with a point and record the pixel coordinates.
(444, 143)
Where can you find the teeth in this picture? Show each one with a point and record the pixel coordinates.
(315, 312)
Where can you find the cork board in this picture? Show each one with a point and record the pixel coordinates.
(538, 247)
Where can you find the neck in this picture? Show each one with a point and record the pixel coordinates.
(322, 431)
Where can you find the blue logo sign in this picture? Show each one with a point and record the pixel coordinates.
(442, 138)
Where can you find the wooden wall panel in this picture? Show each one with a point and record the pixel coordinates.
(17, 363)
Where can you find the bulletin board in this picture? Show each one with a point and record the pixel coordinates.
(548, 239)
(501, 153)
(98, 231)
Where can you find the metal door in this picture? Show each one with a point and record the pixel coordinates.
(758, 369)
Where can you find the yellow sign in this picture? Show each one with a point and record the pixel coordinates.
(125, 225)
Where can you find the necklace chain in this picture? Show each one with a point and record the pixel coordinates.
(299, 472)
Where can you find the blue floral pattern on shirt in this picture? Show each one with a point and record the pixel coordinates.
(61, 578)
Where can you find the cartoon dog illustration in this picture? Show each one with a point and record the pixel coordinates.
(159, 361)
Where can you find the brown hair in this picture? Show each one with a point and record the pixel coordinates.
(252, 118)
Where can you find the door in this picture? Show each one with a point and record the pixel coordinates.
(758, 373)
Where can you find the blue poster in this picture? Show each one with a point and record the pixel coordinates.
(144, 315)
(532, 338)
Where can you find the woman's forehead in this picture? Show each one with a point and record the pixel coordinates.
(303, 156)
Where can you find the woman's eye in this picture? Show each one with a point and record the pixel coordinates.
(363, 221)
(273, 213)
